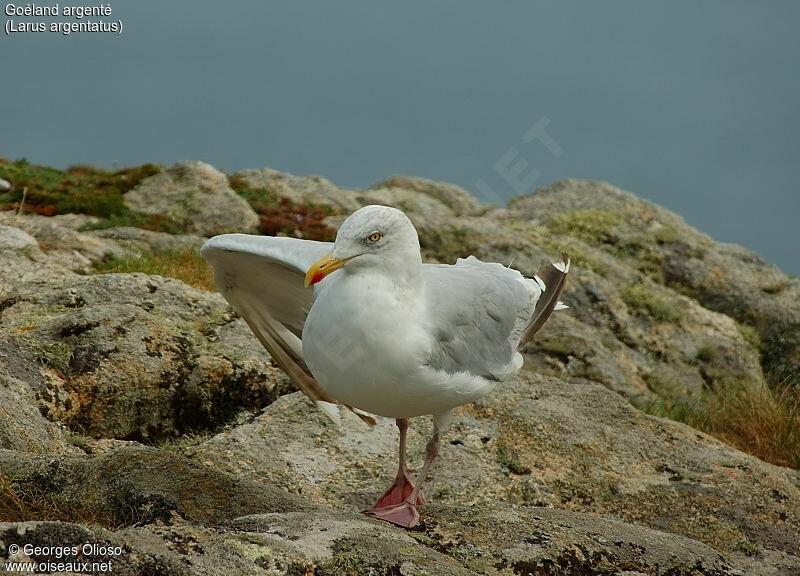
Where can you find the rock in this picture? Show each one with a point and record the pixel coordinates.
(461, 202)
(124, 356)
(136, 357)
(522, 446)
(533, 540)
(128, 240)
(15, 239)
(530, 541)
(721, 277)
(197, 196)
(283, 544)
(131, 485)
(301, 189)
(412, 203)
(22, 427)
(22, 262)
(57, 237)
(415, 196)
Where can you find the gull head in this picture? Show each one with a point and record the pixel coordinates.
(373, 237)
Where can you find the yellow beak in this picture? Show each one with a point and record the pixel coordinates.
(323, 267)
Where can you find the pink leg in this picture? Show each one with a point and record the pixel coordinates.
(405, 512)
(403, 485)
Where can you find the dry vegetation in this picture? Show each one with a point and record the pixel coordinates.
(754, 419)
(184, 264)
(23, 502)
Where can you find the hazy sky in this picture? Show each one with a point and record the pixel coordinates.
(691, 104)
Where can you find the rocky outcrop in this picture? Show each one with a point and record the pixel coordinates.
(532, 541)
(126, 355)
(127, 484)
(458, 200)
(555, 472)
(197, 196)
(601, 220)
(534, 442)
(412, 195)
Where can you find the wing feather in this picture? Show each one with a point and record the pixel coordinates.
(553, 277)
(475, 309)
(483, 313)
(262, 278)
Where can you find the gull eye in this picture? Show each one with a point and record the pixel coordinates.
(374, 237)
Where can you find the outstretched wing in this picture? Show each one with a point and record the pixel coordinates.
(262, 278)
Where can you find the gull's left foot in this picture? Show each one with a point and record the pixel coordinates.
(404, 514)
(401, 489)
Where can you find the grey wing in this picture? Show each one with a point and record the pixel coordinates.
(262, 278)
(478, 312)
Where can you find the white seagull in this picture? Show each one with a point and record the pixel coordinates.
(381, 332)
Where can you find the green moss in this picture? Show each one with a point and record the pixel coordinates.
(748, 548)
(55, 354)
(777, 286)
(644, 300)
(507, 458)
(344, 563)
(555, 346)
(667, 235)
(129, 218)
(79, 189)
(184, 441)
(707, 353)
(581, 255)
(254, 196)
(592, 226)
(689, 410)
(646, 256)
(423, 538)
(750, 335)
(79, 440)
(614, 230)
(447, 244)
(28, 500)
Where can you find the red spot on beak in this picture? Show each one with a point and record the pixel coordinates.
(316, 278)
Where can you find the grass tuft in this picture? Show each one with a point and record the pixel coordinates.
(25, 502)
(185, 264)
(754, 418)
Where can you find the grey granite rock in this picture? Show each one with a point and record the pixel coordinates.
(196, 195)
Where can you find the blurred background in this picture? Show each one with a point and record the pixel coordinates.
(691, 105)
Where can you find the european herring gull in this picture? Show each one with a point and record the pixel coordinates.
(382, 333)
